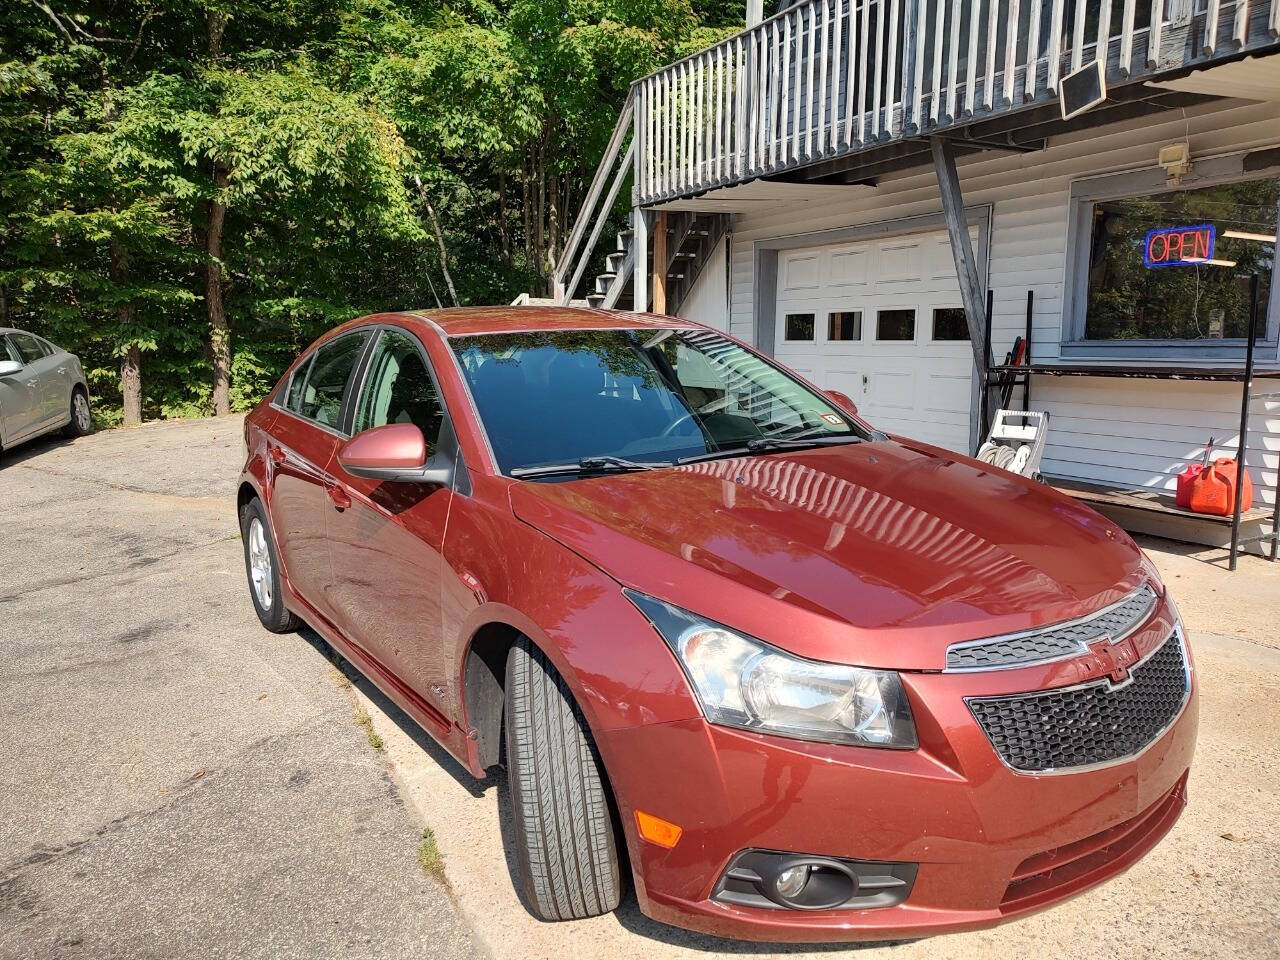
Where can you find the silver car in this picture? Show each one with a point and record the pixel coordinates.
(42, 388)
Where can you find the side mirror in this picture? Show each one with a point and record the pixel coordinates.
(396, 453)
(842, 400)
(9, 367)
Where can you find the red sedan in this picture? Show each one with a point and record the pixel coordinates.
(797, 679)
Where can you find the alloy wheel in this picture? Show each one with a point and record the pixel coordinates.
(80, 410)
(260, 564)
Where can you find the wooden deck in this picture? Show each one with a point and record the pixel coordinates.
(1158, 502)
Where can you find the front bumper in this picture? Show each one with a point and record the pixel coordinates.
(991, 843)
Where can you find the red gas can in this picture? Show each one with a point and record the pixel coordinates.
(1212, 489)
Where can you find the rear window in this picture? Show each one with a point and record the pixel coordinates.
(322, 393)
(28, 346)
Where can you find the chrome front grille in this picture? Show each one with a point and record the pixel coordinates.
(1056, 642)
(1090, 724)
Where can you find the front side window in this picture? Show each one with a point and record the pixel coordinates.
(1177, 265)
(28, 347)
(9, 351)
(326, 382)
(398, 389)
(643, 394)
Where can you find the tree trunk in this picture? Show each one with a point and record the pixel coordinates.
(540, 217)
(131, 385)
(131, 365)
(444, 253)
(553, 228)
(219, 330)
(504, 232)
(528, 219)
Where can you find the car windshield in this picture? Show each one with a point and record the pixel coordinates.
(639, 395)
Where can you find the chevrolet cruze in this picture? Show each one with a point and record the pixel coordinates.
(793, 678)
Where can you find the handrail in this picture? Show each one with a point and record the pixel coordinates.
(607, 163)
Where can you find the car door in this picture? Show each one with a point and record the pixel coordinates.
(20, 403)
(385, 539)
(40, 366)
(304, 438)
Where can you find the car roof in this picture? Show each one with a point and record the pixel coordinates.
(470, 321)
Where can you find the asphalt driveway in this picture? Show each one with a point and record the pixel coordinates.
(174, 780)
(177, 782)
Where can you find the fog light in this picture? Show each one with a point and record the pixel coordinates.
(791, 881)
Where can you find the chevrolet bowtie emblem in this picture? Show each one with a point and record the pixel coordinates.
(1114, 659)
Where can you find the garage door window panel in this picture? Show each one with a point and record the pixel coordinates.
(844, 325)
(798, 327)
(897, 324)
(950, 323)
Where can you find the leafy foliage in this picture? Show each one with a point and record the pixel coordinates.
(295, 162)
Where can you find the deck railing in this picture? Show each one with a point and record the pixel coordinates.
(831, 77)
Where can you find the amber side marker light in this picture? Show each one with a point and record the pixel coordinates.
(656, 830)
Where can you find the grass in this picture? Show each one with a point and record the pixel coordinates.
(430, 857)
(338, 678)
(366, 723)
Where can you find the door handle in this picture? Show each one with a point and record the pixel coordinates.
(341, 499)
(277, 454)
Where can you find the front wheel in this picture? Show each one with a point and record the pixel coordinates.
(565, 836)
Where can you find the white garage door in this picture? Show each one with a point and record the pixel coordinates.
(881, 320)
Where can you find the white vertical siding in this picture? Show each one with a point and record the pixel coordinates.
(708, 301)
(1129, 433)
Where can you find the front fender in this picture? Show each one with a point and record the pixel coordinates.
(620, 671)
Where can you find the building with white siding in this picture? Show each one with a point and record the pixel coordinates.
(793, 186)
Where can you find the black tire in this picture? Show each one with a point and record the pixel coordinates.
(80, 424)
(565, 837)
(275, 616)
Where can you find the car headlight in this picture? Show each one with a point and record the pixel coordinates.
(742, 682)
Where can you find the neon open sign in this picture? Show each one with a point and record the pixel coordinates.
(1178, 246)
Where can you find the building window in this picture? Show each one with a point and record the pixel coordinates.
(949, 323)
(799, 326)
(895, 324)
(844, 325)
(1177, 265)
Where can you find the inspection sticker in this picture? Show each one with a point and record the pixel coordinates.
(832, 419)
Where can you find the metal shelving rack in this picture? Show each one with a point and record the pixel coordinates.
(1020, 375)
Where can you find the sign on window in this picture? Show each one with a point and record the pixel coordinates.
(1178, 246)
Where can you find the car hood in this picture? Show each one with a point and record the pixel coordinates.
(880, 554)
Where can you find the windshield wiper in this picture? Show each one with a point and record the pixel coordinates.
(765, 444)
(604, 464)
(757, 444)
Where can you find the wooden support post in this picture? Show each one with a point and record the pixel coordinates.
(640, 258)
(660, 263)
(944, 163)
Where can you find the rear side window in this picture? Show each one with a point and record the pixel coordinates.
(293, 400)
(327, 380)
(28, 346)
(398, 389)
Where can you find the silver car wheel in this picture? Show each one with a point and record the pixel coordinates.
(260, 564)
(80, 411)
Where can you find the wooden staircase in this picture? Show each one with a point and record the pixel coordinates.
(691, 239)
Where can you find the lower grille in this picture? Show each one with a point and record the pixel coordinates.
(1089, 724)
(1048, 876)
